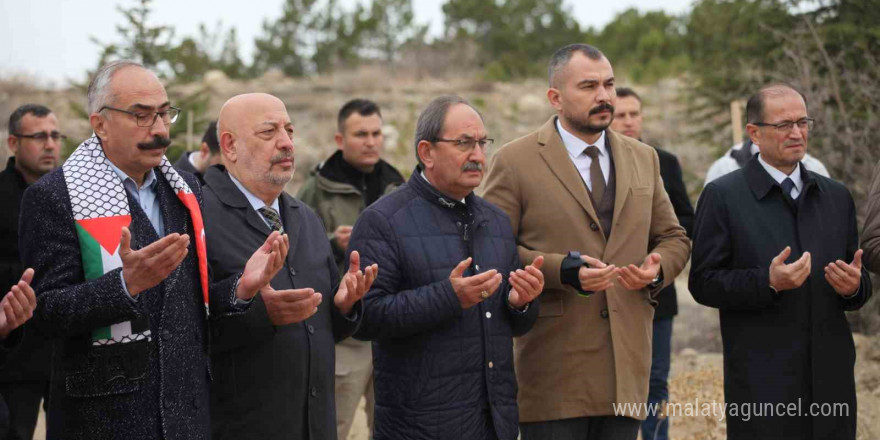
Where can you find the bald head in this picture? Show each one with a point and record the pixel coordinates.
(236, 110)
(256, 140)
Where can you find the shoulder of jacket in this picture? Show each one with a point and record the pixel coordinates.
(527, 142)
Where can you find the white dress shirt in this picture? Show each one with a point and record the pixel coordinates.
(779, 176)
(576, 151)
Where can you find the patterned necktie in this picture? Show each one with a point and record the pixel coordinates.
(272, 218)
(787, 186)
(596, 176)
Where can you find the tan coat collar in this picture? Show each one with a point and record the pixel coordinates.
(552, 150)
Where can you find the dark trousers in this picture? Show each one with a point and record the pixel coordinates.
(658, 392)
(582, 428)
(23, 400)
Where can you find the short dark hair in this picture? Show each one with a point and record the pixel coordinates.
(210, 138)
(625, 92)
(40, 111)
(562, 55)
(363, 107)
(755, 104)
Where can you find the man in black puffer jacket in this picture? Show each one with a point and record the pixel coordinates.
(451, 295)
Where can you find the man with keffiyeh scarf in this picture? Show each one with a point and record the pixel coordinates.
(117, 242)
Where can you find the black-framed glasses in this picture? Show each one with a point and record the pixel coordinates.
(468, 144)
(42, 136)
(804, 124)
(147, 119)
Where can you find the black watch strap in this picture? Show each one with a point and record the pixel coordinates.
(568, 273)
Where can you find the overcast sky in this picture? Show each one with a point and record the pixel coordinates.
(49, 40)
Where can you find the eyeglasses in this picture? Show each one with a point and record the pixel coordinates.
(804, 124)
(42, 137)
(468, 144)
(148, 119)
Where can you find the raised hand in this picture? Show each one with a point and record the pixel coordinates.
(637, 278)
(526, 284)
(289, 306)
(598, 277)
(845, 278)
(149, 266)
(354, 284)
(789, 276)
(266, 261)
(17, 305)
(472, 290)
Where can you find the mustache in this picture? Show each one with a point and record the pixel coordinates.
(602, 107)
(472, 166)
(157, 143)
(284, 155)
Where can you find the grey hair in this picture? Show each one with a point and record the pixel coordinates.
(99, 88)
(562, 55)
(430, 125)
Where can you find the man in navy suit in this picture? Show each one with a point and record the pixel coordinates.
(117, 242)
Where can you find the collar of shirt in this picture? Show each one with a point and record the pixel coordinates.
(149, 183)
(255, 201)
(779, 176)
(576, 146)
(145, 196)
(429, 183)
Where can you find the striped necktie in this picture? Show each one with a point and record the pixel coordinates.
(272, 218)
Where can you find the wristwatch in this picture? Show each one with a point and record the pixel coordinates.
(657, 281)
(568, 273)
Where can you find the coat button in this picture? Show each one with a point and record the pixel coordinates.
(488, 315)
(165, 334)
(477, 267)
(292, 272)
(311, 329)
(314, 392)
(594, 226)
(491, 364)
(604, 313)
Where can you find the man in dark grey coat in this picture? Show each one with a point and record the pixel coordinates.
(776, 251)
(452, 293)
(274, 364)
(120, 284)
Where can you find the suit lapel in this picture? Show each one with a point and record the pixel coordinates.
(291, 216)
(623, 164)
(255, 220)
(553, 151)
(217, 178)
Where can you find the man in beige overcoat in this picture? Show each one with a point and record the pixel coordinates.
(591, 202)
(871, 232)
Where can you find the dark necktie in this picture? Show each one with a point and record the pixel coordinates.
(272, 218)
(596, 176)
(787, 186)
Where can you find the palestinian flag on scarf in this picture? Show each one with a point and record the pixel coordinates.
(100, 211)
